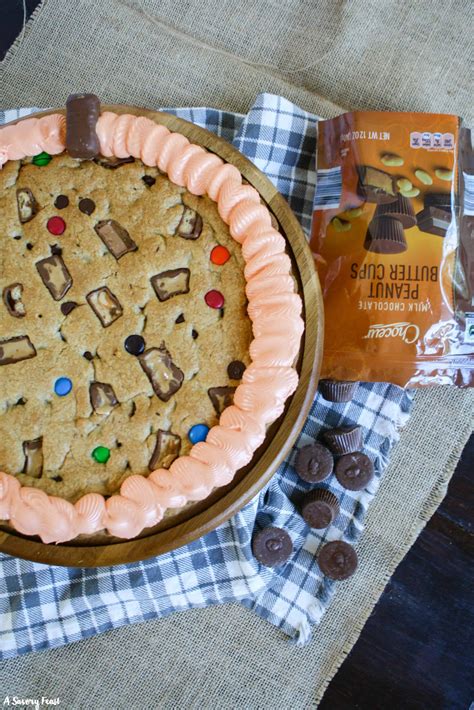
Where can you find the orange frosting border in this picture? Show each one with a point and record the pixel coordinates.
(274, 309)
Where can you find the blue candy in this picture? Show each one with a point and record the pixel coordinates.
(197, 433)
(62, 386)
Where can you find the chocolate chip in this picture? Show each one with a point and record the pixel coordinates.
(166, 450)
(235, 369)
(27, 205)
(171, 283)
(87, 205)
(337, 560)
(20, 402)
(61, 202)
(12, 298)
(165, 377)
(17, 237)
(33, 451)
(180, 318)
(82, 114)
(221, 397)
(57, 479)
(190, 225)
(67, 307)
(314, 463)
(102, 397)
(195, 334)
(105, 305)
(133, 409)
(113, 163)
(88, 355)
(115, 237)
(319, 508)
(354, 471)
(16, 349)
(149, 180)
(56, 250)
(272, 546)
(134, 344)
(55, 276)
(29, 246)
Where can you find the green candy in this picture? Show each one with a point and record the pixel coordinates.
(101, 454)
(41, 159)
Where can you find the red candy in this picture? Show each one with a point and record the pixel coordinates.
(56, 225)
(214, 299)
(219, 255)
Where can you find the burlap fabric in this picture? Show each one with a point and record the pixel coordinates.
(325, 56)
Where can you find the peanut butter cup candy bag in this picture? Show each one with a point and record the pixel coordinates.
(393, 241)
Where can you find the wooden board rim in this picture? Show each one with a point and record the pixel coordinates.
(290, 423)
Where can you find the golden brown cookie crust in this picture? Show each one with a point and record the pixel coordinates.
(69, 426)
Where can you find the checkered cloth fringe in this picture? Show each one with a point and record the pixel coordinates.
(43, 607)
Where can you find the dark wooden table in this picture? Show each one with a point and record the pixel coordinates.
(416, 651)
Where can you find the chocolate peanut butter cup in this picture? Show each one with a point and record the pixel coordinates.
(354, 471)
(385, 236)
(319, 508)
(401, 209)
(375, 185)
(272, 546)
(344, 439)
(338, 560)
(314, 463)
(337, 391)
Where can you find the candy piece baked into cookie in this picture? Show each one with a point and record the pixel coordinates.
(149, 324)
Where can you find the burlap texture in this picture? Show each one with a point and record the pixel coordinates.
(361, 54)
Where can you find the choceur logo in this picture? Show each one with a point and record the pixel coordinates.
(408, 332)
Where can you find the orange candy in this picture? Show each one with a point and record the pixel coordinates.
(219, 255)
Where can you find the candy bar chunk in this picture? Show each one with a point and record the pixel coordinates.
(434, 220)
(105, 305)
(166, 450)
(221, 397)
(55, 276)
(27, 205)
(165, 377)
(33, 451)
(171, 283)
(113, 163)
(376, 185)
(12, 298)
(102, 397)
(115, 237)
(442, 200)
(190, 225)
(82, 114)
(16, 350)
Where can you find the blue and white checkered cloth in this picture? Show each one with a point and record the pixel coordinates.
(43, 607)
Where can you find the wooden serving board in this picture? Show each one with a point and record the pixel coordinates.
(200, 518)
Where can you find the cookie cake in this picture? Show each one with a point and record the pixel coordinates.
(149, 324)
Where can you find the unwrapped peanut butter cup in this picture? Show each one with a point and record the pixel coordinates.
(319, 508)
(385, 236)
(337, 560)
(401, 209)
(344, 439)
(337, 391)
(314, 463)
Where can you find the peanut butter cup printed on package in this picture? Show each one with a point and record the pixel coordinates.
(149, 323)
